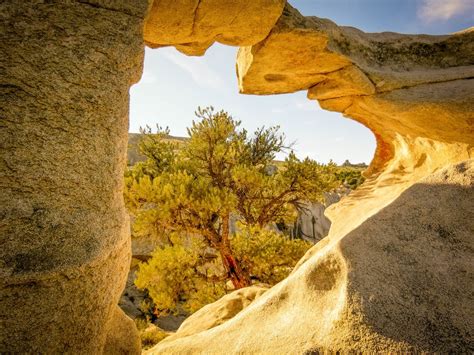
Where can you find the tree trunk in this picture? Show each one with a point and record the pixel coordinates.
(238, 277)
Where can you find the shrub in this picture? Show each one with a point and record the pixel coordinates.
(179, 277)
(268, 256)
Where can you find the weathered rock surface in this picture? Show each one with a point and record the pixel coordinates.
(301, 52)
(66, 68)
(312, 223)
(219, 312)
(397, 282)
(120, 340)
(395, 272)
(193, 26)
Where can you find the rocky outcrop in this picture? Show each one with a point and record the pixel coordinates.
(386, 286)
(66, 69)
(193, 26)
(394, 274)
(389, 82)
(312, 224)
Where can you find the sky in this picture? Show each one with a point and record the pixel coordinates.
(174, 85)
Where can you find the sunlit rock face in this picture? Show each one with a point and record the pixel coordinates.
(403, 87)
(399, 281)
(219, 312)
(193, 26)
(395, 272)
(66, 69)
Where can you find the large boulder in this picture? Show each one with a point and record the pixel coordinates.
(219, 312)
(398, 282)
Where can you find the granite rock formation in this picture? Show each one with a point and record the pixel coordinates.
(217, 313)
(386, 285)
(193, 26)
(312, 224)
(393, 275)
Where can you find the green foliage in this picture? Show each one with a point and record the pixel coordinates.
(142, 324)
(192, 190)
(182, 276)
(159, 150)
(220, 170)
(150, 335)
(267, 255)
(179, 277)
(161, 155)
(350, 177)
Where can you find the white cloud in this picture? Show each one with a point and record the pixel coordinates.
(201, 73)
(443, 10)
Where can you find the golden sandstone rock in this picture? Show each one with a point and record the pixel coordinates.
(219, 312)
(395, 273)
(193, 26)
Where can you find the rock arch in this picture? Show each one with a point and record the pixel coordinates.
(395, 272)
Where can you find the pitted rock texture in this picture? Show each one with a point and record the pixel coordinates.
(301, 52)
(394, 274)
(193, 26)
(66, 68)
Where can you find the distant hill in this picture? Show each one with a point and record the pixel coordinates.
(134, 156)
(348, 164)
(133, 152)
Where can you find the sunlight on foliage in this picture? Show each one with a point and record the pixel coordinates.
(266, 254)
(150, 335)
(188, 278)
(179, 275)
(185, 194)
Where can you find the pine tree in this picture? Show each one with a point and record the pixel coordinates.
(221, 170)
